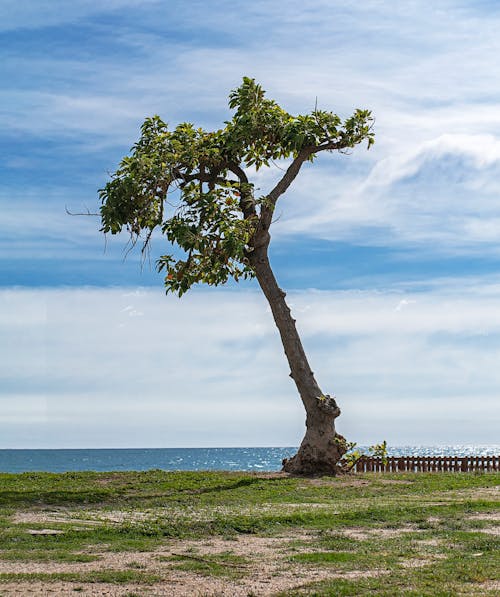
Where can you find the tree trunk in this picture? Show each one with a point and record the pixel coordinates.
(320, 449)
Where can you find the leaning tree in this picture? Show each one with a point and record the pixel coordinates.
(195, 186)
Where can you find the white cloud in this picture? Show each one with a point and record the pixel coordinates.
(210, 370)
(343, 70)
(404, 303)
(482, 150)
(441, 196)
(427, 73)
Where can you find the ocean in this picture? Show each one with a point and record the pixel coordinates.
(189, 459)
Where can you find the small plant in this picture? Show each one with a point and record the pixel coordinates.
(380, 451)
(354, 454)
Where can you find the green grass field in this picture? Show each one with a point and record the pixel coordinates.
(159, 533)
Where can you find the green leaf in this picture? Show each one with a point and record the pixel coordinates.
(183, 182)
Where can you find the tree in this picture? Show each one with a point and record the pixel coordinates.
(222, 228)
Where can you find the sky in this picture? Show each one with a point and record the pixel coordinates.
(390, 257)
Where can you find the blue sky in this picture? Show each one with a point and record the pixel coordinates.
(390, 257)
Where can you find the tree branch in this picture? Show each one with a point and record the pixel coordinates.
(85, 213)
(198, 176)
(291, 174)
(327, 147)
(247, 204)
(282, 186)
(238, 171)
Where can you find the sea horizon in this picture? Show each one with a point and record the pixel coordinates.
(238, 458)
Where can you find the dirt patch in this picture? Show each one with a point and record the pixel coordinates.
(488, 517)
(415, 563)
(182, 585)
(429, 542)
(485, 516)
(266, 547)
(421, 562)
(335, 482)
(490, 531)
(41, 516)
(66, 589)
(394, 482)
(485, 493)
(362, 534)
(268, 569)
(270, 475)
(90, 518)
(272, 507)
(121, 516)
(21, 567)
(491, 585)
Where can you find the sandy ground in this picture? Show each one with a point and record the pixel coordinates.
(268, 567)
(269, 572)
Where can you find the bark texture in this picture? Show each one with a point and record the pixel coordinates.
(319, 451)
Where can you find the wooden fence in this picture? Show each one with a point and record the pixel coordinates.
(424, 464)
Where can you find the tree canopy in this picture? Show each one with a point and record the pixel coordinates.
(193, 184)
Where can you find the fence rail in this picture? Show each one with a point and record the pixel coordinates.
(395, 464)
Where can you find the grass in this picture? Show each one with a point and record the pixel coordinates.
(368, 534)
(101, 576)
(222, 564)
(54, 555)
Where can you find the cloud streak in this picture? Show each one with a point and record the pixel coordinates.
(209, 370)
(434, 99)
(445, 192)
(50, 13)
